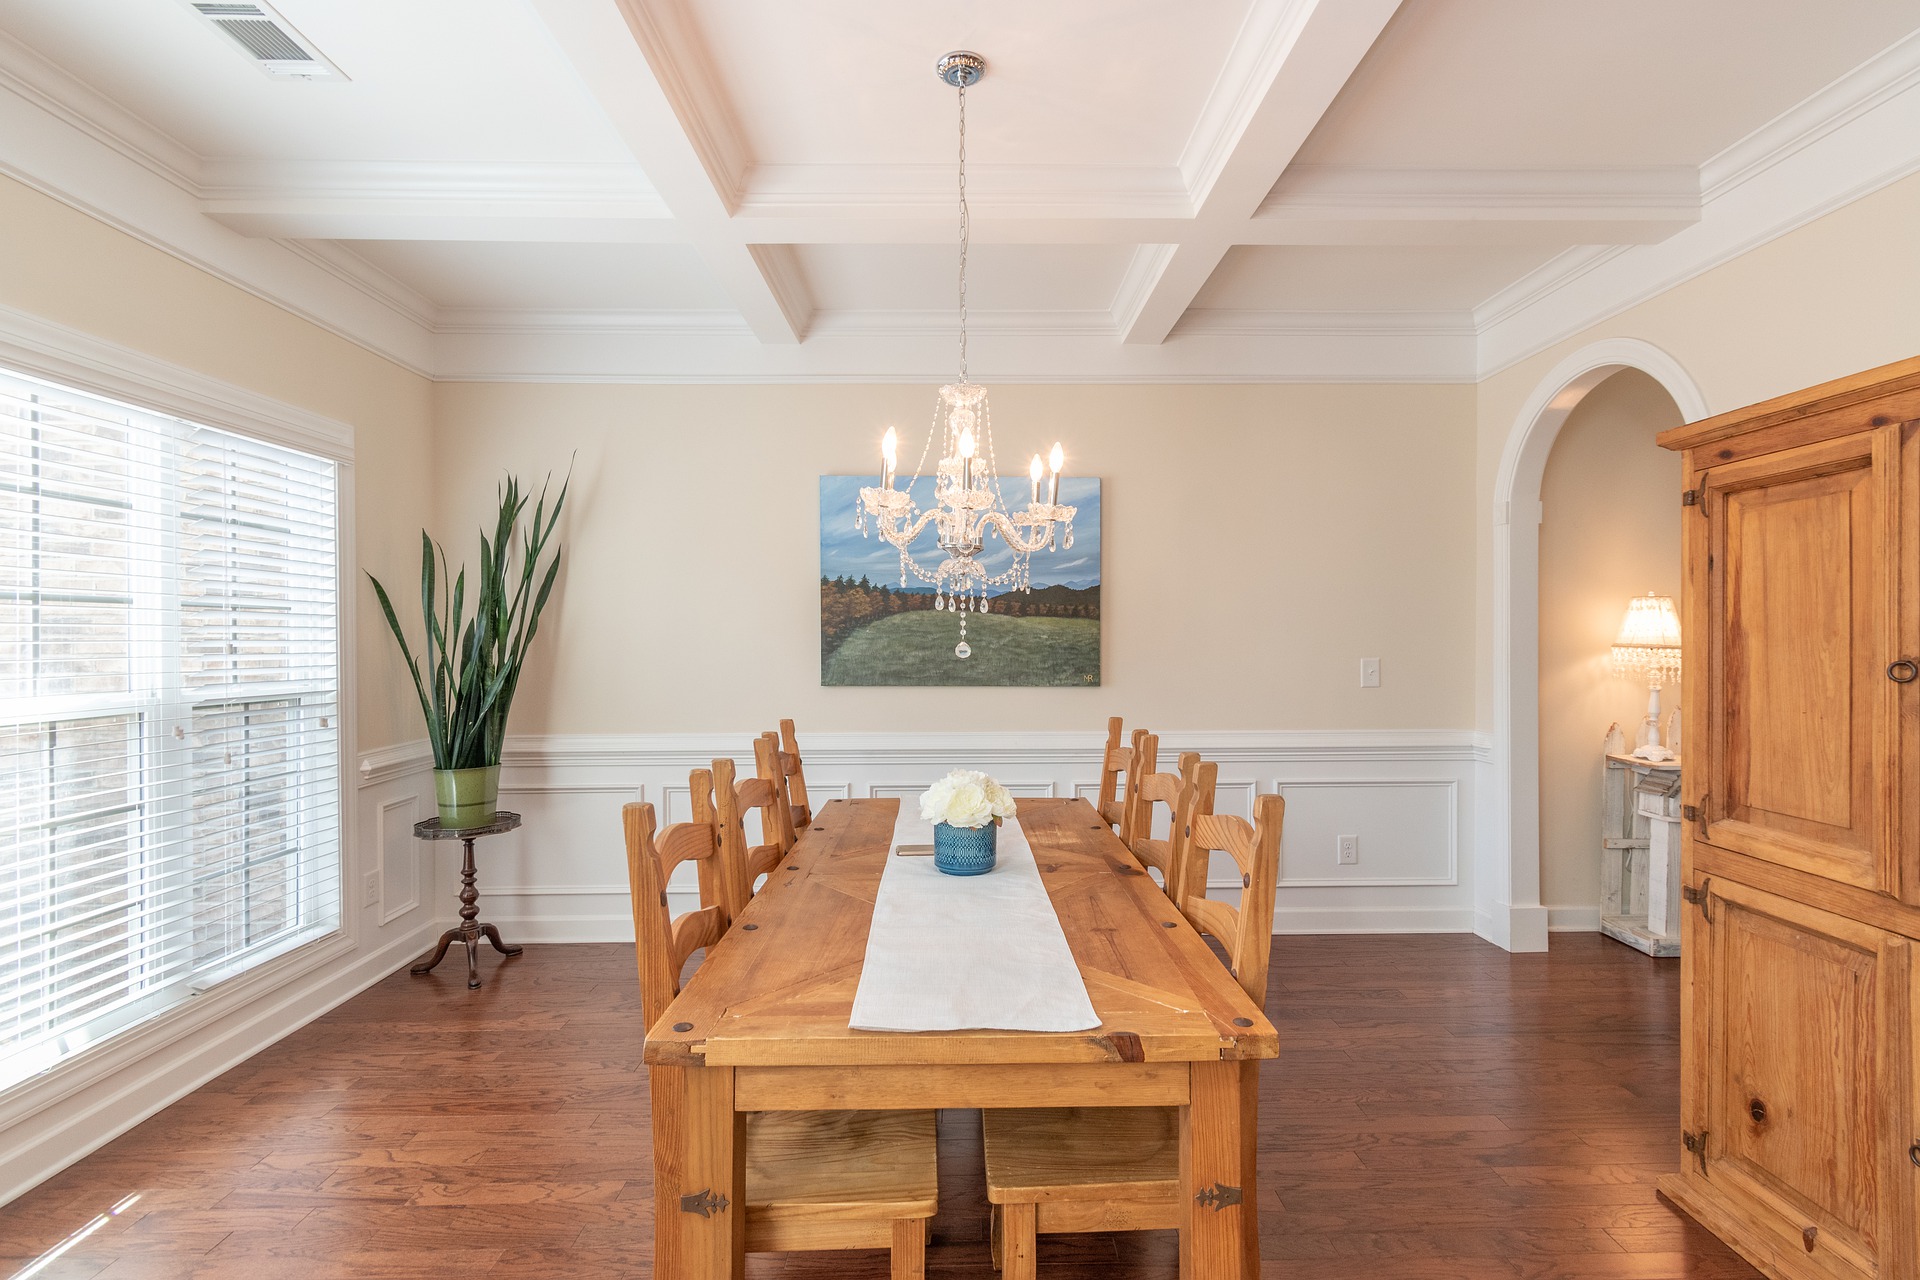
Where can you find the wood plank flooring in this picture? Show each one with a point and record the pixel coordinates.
(1440, 1111)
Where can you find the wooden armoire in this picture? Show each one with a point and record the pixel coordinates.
(1800, 1100)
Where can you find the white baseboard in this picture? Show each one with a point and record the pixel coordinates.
(1573, 919)
(1513, 928)
(54, 1136)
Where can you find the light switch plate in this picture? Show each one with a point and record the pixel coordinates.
(1369, 673)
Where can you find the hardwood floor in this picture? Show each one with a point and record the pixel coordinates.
(1440, 1111)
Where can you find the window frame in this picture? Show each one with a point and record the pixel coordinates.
(36, 347)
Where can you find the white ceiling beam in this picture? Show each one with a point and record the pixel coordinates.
(672, 120)
(1299, 65)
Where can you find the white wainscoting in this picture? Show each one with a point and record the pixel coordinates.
(1408, 795)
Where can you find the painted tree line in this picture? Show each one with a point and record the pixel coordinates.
(847, 604)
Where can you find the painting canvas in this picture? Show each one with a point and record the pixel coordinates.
(873, 631)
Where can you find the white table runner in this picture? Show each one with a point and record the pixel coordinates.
(957, 953)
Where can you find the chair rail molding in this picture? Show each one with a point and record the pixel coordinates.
(1411, 796)
(1507, 880)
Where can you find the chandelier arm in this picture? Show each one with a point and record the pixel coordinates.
(1010, 533)
(901, 535)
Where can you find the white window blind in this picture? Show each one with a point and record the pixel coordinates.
(169, 713)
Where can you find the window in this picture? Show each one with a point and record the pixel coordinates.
(169, 713)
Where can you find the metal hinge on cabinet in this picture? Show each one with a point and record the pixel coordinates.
(704, 1202)
(1697, 895)
(1696, 1143)
(1691, 498)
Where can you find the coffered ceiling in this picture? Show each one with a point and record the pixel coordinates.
(762, 189)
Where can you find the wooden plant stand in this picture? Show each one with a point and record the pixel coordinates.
(470, 930)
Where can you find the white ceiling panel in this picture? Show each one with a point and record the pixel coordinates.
(549, 277)
(1000, 277)
(1522, 84)
(1363, 277)
(429, 80)
(850, 82)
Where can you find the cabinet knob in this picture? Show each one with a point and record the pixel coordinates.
(1758, 1110)
(1903, 671)
(1913, 1154)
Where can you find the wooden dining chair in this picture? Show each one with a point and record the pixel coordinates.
(769, 762)
(1194, 784)
(796, 777)
(1119, 779)
(814, 1179)
(744, 864)
(1059, 1170)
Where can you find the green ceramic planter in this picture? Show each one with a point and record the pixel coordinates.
(468, 797)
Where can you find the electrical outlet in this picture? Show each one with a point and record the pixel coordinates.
(1369, 673)
(370, 889)
(1348, 851)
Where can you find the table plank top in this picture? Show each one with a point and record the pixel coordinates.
(778, 989)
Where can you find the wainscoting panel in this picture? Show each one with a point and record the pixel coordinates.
(1407, 794)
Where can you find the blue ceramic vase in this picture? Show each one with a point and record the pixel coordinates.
(964, 851)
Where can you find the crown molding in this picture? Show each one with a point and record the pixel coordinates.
(81, 107)
(1260, 49)
(842, 349)
(1857, 135)
(1256, 323)
(1662, 227)
(48, 148)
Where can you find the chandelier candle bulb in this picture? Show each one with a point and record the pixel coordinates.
(1053, 486)
(889, 457)
(1033, 472)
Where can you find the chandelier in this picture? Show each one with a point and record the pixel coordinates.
(967, 498)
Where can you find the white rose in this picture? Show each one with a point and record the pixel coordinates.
(1000, 799)
(968, 806)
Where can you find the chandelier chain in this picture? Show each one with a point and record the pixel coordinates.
(965, 229)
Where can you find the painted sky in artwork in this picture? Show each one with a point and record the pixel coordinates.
(844, 551)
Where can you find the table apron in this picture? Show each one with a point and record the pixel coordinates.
(982, 1085)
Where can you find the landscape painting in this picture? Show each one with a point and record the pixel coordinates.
(873, 631)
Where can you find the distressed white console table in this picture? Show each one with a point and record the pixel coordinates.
(1640, 854)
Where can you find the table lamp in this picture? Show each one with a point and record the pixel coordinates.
(1649, 644)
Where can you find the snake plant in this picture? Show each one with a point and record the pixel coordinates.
(470, 667)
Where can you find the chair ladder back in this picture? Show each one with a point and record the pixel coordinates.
(796, 778)
(661, 943)
(767, 762)
(1115, 760)
(743, 864)
(1189, 876)
(1165, 856)
(1142, 754)
(1246, 932)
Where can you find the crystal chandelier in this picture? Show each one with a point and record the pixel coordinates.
(967, 498)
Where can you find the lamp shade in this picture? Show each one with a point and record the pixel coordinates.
(1649, 639)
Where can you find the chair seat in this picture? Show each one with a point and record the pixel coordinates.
(1051, 1154)
(822, 1166)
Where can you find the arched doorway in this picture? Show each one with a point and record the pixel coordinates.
(1507, 882)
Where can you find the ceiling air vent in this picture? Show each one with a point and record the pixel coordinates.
(269, 40)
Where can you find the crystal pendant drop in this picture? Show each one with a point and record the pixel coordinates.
(963, 650)
(983, 606)
(939, 602)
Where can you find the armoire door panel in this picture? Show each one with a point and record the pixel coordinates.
(1799, 734)
(1795, 1077)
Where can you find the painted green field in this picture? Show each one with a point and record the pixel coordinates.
(917, 648)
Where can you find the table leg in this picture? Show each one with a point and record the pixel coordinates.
(1219, 1234)
(469, 931)
(699, 1174)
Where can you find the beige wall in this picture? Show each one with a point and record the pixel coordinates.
(1612, 530)
(1259, 541)
(1836, 296)
(65, 266)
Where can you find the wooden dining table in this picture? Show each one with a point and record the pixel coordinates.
(762, 1026)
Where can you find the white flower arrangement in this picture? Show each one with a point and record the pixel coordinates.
(966, 798)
